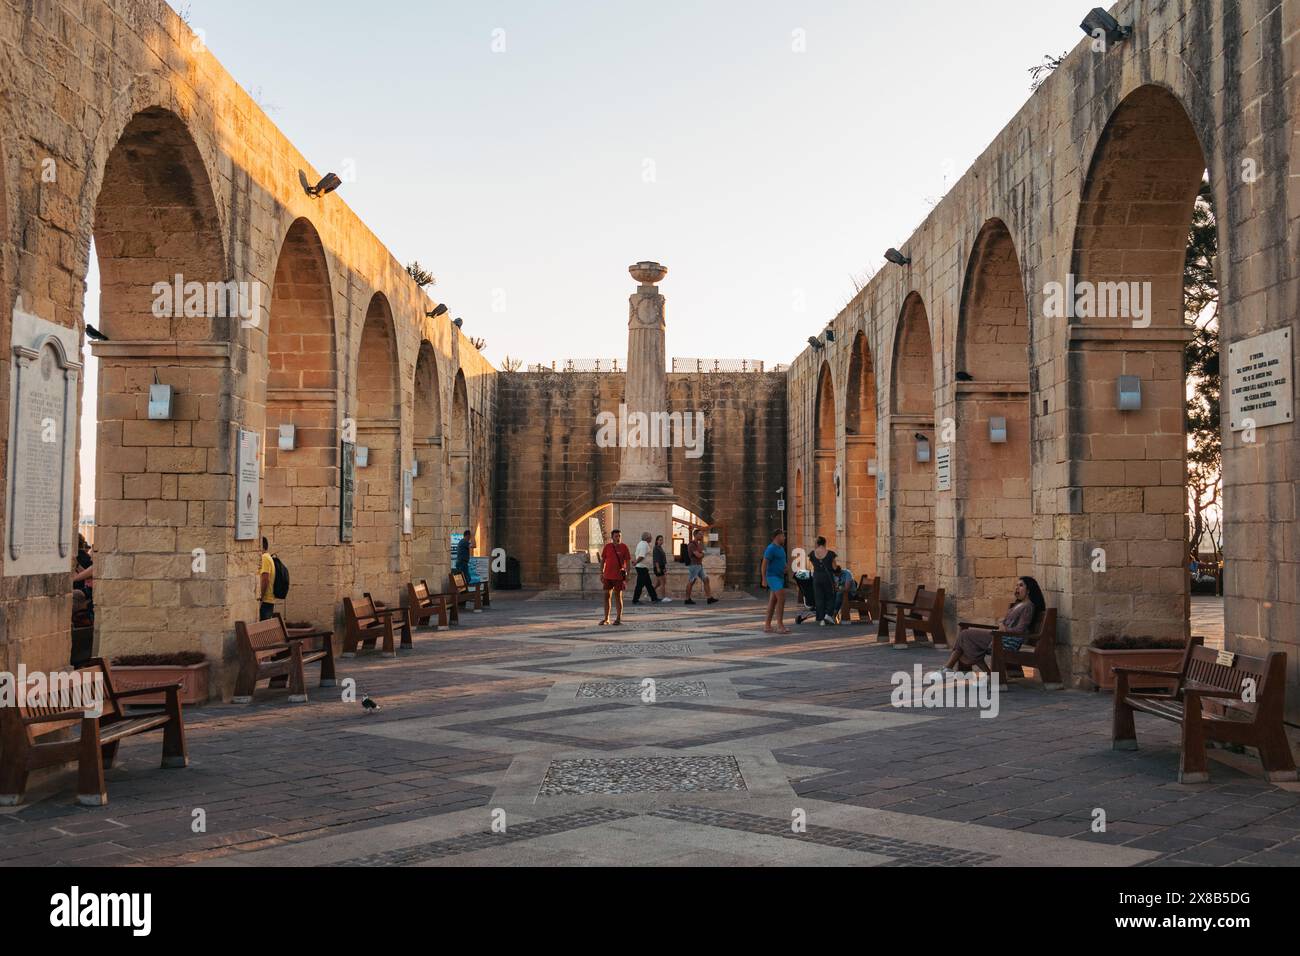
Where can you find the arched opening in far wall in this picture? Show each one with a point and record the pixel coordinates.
(430, 557)
(300, 487)
(826, 477)
(860, 461)
(1129, 455)
(994, 507)
(912, 440)
(376, 541)
(156, 226)
(458, 458)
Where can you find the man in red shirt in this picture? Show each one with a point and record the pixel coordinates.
(614, 560)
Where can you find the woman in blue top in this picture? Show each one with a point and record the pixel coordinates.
(773, 574)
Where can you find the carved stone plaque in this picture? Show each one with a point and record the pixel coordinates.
(44, 373)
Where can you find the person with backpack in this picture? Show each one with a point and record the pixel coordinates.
(266, 584)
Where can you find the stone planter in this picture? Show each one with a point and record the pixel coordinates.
(193, 680)
(1102, 665)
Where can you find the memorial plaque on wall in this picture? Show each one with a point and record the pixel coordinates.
(408, 502)
(1260, 389)
(43, 378)
(248, 486)
(943, 468)
(347, 489)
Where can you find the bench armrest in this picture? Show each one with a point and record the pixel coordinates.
(61, 715)
(309, 635)
(898, 603)
(1205, 690)
(389, 611)
(977, 627)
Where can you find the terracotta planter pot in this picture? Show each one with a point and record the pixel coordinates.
(1104, 662)
(194, 682)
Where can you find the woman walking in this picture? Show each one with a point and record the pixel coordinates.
(822, 560)
(660, 561)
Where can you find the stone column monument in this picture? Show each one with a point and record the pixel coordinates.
(643, 498)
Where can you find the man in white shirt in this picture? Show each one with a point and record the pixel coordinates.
(642, 565)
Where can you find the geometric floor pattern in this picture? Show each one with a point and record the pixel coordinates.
(529, 735)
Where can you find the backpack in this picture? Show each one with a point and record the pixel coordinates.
(684, 554)
(280, 584)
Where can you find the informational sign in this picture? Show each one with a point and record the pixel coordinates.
(408, 499)
(943, 468)
(1260, 384)
(248, 486)
(43, 378)
(347, 489)
(780, 504)
(479, 568)
(456, 537)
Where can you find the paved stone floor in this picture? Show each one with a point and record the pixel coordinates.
(529, 735)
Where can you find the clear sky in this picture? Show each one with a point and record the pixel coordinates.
(528, 179)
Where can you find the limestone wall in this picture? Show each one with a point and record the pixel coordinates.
(550, 471)
(119, 125)
(1095, 176)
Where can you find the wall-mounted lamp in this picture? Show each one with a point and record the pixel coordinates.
(1100, 22)
(998, 431)
(897, 258)
(873, 467)
(441, 309)
(459, 323)
(327, 185)
(922, 448)
(415, 468)
(363, 456)
(287, 435)
(160, 403)
(816, 343)
(1129, 397)
(830, 335)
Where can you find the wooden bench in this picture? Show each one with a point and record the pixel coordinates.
(1038, 651)
(462, 591)
(25, 729)
(422, 605)
(366, 624)
(1248, 697)
(866, 602)
(268, 650)
(921, 615)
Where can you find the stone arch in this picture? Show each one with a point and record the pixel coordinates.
(300, 486)
(429, 551)
(825, 461)
(1128, 468)
(377, 529)
(912, 498)
(796, 536)
(859, 453)
(154, 218)
(993, 501)
(458, 454)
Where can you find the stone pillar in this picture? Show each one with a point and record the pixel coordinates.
(643, 498)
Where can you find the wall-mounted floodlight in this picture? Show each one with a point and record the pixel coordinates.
(816, 343)
(363, 456)
(287, 435)
(440, 310)
(327, 185)
(830, 335)
(998, 431)
(922, 448)
(897, 258)
(1101, 22)
(1129, 398)
(873, 467)
(160, 403)
(459, 323)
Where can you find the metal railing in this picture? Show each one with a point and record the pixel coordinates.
(579, 365)
(708, 366)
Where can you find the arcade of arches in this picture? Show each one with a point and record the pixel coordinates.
(954, 432)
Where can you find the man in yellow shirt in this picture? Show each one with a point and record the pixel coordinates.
(266, 584)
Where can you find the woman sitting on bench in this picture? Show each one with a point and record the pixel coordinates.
(974, 644)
